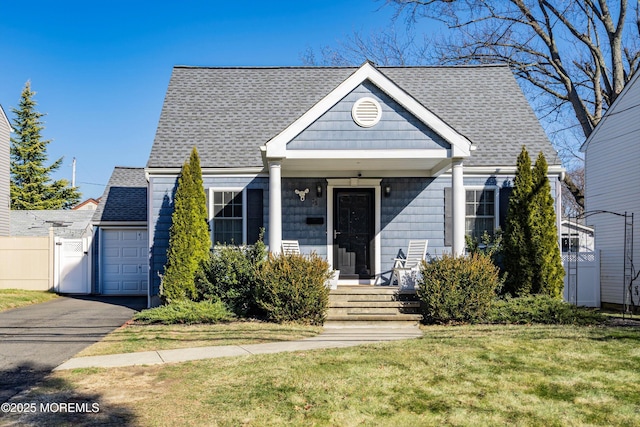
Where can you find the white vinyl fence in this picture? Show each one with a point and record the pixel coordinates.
(72, 267)
(582, 278)
(45, 264)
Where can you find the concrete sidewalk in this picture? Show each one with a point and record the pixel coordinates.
(329, 338)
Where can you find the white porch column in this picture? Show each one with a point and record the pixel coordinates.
(275, 207)
(458, 194)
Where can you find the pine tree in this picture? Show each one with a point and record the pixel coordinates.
(31, 186)
(549, 272)
(518, 251)
(188, 236)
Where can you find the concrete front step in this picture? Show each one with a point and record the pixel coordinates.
(378, 311)
(371, 320)
(370, 304)
(363, 289)
(362, 297)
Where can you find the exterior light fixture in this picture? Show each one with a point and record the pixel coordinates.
(387, 190)
(318, 190)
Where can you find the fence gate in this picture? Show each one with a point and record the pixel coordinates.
(71, 275)
(582, 278)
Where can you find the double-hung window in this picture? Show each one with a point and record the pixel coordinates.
(228, 214)
(480, 215)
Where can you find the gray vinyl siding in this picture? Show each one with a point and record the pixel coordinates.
(311, 237)
(5, 131)
(413, 211)
(612, 179)
(162, 191)
(397, 129)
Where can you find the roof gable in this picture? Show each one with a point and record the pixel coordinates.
(4, 118)
(460, 145)
(397, 128)
(124, 198)
(628, 91)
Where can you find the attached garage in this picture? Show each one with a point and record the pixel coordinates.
(124, 263)
(121, 247)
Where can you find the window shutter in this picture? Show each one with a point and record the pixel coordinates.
(448, 217)
(207, 194)
(254, 214)
(505, 194)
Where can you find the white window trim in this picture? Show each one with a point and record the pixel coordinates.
(496, 201)
(242, 190)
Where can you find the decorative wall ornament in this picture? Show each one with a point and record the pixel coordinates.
(302, 194)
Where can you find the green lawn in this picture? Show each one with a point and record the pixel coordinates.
(134, 337)
(462, 375)
(14, 298)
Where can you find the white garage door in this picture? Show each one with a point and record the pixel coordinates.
(124, 262)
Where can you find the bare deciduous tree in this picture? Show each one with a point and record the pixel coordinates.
(577, 51)
(575, 56)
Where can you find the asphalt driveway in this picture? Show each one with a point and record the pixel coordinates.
(37, 338)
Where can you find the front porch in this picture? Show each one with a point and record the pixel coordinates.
(343, 153)
(361, 225)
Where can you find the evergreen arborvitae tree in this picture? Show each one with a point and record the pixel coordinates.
(549, 272)
(200, 230)
(532, 259)
(31, 186)
(518, 251)
(188, 236)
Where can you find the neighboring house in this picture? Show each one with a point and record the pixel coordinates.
(63, 223)
(352, 162)
(121, 254)
(612, 156)
(90, 204)
(5, 135)
(576, 237)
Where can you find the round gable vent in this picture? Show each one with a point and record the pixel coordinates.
(366, 112)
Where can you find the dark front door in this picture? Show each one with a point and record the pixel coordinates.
(353, 234)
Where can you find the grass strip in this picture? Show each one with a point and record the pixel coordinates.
(14, 298)
(137, 337)
(460, 376)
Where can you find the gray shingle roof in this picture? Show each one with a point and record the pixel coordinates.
(229, 112)
(65, 223)
(125, 198)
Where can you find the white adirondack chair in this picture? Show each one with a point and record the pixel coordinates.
(290, 247)
(406, 270)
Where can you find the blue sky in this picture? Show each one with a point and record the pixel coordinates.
(101, 68)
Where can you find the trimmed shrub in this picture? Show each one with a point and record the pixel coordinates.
(186, 312)
(541, 309)
(458, 289)
(291, 288)
(487, 244)
(230, 274)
